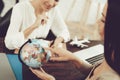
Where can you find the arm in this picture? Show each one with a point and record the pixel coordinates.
(17, 33)
(57, 41)
(41, 20)
(14, 37)
(65, 55)
(59, 27)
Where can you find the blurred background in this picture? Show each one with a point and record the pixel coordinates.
(81, 16)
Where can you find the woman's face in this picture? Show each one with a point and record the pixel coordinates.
(48, 4)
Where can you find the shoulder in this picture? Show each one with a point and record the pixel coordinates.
(108, 76)
(21, 5)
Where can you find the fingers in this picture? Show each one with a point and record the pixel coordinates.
(34, 71)
(57, 59)
(54, 45)
(56, 52)
(49, 48)
(42, 70)
(39, 73)
(51, 43)
(30, 68)
(44, 19)
(41, 19)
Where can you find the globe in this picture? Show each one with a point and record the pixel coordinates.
(33, 54)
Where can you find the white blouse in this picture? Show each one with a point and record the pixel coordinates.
(23, 16)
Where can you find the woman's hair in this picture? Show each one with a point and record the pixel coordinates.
(112, 35)
(1, 6)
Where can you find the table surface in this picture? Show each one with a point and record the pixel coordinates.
(60, 70)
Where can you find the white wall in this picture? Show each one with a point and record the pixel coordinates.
(73, 10)
(8, 5)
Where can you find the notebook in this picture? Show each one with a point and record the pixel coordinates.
(91, 54)
(6, 72)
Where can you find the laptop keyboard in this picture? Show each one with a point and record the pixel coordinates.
(96, 58)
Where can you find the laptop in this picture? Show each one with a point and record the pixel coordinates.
(6, 72)
(92, 54)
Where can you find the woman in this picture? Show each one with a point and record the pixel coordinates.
(1, 6)
(109, 69)
(34, 19)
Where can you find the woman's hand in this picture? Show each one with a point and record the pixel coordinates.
(41, 20)
(57, 42)
(42, 74)
(61, 54)
(65, 55)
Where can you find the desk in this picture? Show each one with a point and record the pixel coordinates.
(60, 70)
